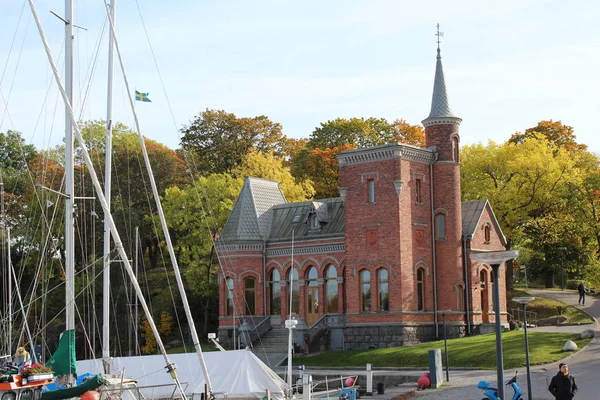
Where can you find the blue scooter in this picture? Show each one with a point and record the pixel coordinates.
(492, 393)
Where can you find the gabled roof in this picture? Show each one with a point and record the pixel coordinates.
(251, 216)
(472, 212)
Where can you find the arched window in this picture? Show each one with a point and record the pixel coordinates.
(455, 149)
(487, 236)
(461, 297)
(383, 290)
(250, 295)
(365, 290)
(440, 226)
(421, 289)
(229, 289)
(331, 289)
(275, 292)
(312, 291)
(293, 289)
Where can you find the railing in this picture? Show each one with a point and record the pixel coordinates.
(254, 327)
(531, 316)
(320, 329)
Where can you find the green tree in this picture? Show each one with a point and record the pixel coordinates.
(219, 141)
(357, 131)
(528, 185)
(196, 214)
(266, 166)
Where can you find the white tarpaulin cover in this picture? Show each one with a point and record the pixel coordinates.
(234, 373)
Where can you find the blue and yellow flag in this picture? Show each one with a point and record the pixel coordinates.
(142, 97)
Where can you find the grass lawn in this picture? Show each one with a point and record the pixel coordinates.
(474, 351)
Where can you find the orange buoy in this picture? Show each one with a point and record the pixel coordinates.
(90, 395)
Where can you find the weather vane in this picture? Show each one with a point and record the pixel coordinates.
(439, 35)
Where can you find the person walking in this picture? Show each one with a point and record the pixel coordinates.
(581, 289)
(563, 385)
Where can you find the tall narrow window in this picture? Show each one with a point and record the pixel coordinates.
(418, 195)
(421, 289)
(229, 289)
(461, 297)
(383, 290)
(312, 291)
(275, 292)
(371, 186)
(455, 149)
(440, 226)
(331, 289)
(487, 234)
(365, 290)
(293, 288)
(250, 295)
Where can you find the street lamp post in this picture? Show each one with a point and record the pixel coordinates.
(495, 259)
(524, 301)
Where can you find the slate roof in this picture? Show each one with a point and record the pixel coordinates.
(471, 215)
(330, 213)
(251, 216)
(440, 104)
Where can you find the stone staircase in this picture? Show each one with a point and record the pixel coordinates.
(272, 348)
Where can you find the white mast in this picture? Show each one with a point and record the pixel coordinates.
(107, 183)
(69, 181)
(163, 223)
(170, 367)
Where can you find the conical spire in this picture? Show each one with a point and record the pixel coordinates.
(440, 106)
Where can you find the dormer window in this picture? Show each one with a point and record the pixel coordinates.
(487, 234)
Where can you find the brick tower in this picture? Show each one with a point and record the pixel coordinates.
(442, 137)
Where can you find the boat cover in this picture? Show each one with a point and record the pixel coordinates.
(234, 373)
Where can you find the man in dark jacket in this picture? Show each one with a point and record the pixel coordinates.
(581, 290)
(563, 385)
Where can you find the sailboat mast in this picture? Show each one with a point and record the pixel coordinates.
(170, 367)
(69, 180)
(107, 195)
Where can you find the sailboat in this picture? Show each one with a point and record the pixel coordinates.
(73, 131)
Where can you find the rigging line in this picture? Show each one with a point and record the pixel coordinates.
(162, 83)
(171, 110)
(92, 68)
(6, 65)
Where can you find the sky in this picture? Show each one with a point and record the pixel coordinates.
(508, 65)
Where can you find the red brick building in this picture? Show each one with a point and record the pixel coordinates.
(378, 265)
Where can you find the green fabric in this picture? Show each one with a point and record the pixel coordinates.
(63, 359)
(75, 391)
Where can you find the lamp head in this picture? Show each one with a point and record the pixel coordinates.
(523, 300)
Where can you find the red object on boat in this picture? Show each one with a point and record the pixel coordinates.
(349, 382)
(90, 395)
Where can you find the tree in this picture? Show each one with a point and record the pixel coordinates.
(357, 131)
(268, 167)
(219, 141)
(528, 185)
(554, 131)
(409, 134)
(196, 214)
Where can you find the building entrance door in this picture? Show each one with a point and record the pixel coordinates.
(312, 305)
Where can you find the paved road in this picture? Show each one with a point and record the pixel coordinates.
(584, 365)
